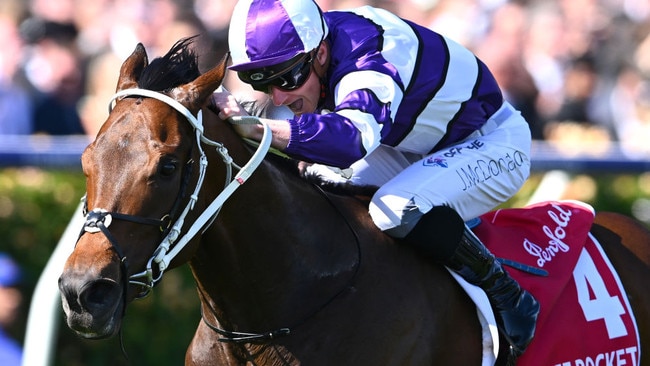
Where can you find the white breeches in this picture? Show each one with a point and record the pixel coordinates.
(472, 177)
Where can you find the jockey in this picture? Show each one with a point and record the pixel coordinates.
(378, 100)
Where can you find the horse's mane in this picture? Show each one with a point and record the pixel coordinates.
(343, 189)
(179, 66)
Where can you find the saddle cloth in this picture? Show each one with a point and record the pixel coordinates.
(585, 318)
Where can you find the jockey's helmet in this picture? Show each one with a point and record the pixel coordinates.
(265, 33)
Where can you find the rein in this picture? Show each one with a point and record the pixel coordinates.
(171, 245)
(98, 220)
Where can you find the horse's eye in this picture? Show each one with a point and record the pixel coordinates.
(168, 168)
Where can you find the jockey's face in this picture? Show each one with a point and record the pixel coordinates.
(301, 100)
(305, 98)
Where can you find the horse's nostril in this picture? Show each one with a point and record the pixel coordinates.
(99, 294)
(69, 293)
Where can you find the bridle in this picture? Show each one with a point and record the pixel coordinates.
(98, 220)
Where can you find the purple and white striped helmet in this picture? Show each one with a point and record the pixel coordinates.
(268, 32)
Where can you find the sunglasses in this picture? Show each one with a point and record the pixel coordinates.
(288, 75)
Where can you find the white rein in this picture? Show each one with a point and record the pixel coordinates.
(163, 256)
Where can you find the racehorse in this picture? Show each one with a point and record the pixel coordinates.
(287, 272)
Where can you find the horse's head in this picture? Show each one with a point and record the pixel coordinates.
(139, 175)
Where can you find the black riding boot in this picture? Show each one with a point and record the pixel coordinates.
(442, 234)
(515, 309)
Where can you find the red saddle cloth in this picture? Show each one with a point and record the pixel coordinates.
(585, 318)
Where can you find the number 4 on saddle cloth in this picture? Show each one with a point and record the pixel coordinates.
(585, 317)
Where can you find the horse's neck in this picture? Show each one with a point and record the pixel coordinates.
(276, 243)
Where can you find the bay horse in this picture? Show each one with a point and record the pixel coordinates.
(287, 273)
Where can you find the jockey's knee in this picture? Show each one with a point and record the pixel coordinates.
(394, 215)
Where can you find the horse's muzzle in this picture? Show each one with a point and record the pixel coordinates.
(93, 307)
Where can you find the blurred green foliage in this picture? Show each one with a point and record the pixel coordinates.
(36, 205)
(628, 194)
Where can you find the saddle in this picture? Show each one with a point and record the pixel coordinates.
(585, 317)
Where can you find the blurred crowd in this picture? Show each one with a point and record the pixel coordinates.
(575, 68)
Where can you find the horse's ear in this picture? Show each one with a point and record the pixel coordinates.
(195, 94)
(132, 68)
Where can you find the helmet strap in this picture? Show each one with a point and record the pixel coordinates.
(322, 71)
(323, 93)
(323, 90)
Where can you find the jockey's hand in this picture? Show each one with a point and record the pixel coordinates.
(227, 107)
